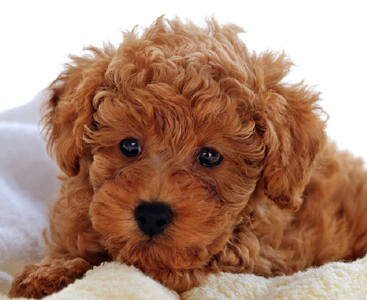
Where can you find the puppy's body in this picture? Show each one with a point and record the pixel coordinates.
(185, 155)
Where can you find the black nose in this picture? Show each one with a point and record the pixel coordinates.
(153, 218)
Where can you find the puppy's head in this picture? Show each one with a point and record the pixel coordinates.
(177, 128)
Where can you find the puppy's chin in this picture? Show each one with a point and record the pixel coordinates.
(150, 256)
(198, 231)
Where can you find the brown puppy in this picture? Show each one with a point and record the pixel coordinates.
(184, 154)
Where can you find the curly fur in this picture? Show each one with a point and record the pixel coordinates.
(282, 200)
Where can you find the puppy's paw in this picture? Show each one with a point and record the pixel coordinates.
(38, 281)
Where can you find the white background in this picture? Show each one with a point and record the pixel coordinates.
(327, 40)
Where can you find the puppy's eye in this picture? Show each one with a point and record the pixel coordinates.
(209, 157)
(130, 147)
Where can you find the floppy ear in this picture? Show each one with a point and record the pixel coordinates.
(292, 129)
(69, 107)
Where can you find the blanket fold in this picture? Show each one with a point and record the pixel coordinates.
(28, 184)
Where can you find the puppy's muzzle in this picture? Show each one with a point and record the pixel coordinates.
(153, 218)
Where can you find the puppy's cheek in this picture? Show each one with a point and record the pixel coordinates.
(111, 214)
(101, 170)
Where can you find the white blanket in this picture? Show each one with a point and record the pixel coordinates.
(28, 184)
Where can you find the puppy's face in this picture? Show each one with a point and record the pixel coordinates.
(170, 175)
(177, 128)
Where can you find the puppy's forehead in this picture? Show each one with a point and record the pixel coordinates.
(166, 114)
(182, 83)
(184, 57)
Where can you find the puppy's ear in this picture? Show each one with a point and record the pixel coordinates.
(69, 107)
(292, 129)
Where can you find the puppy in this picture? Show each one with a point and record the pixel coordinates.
(183, 154)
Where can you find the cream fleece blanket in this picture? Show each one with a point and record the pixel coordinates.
(27, 186)
(116, 281)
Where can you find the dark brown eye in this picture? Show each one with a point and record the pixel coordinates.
(209, 157)
(130, 147)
